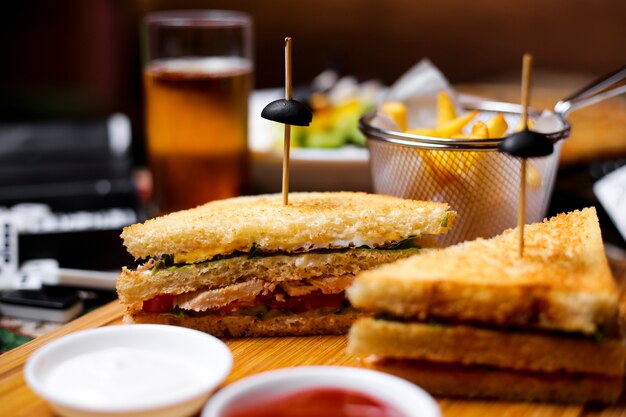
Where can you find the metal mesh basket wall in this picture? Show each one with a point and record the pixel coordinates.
(482, 186)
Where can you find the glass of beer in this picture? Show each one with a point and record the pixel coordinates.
(198, 68)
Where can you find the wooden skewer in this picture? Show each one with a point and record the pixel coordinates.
(521, 215)
(521, 209)
(287, 138)
(527, 68)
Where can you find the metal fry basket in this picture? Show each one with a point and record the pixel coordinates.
(472, 176)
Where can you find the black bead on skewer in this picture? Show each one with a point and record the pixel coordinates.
(527, 144)
(289, 112)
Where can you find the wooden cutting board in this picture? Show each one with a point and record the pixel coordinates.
(256, 355)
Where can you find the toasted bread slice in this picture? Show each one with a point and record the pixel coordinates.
(562, 282)
(522, 350)
(310, 221)
(143, 284)
(309, 323)
(456, 380)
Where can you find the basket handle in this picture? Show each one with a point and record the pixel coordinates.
(608, 86)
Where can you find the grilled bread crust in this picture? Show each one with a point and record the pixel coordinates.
(251, 326)
(536, 351)
(458, 380)
(562, 282)
(142, 284)
(311, 220)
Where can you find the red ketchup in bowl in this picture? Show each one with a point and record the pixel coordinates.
(316, 402)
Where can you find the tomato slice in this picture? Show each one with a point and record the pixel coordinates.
(160, 304)
(165, 303)
(296, 305)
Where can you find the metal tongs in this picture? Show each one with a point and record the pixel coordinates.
(603, 88)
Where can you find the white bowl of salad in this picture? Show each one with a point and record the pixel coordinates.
(328, 155)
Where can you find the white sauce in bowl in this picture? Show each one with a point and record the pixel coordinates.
(121, 377)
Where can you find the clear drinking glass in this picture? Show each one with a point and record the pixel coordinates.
(198, 73)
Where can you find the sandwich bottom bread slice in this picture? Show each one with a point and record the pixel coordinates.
(251, 266)
(544, 327)
(473, 381)
(511, 364)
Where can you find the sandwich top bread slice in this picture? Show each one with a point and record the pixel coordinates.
(250, 266)
(263, 224)
(563, 281)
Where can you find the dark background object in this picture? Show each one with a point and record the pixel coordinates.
(66, 165)
(80, 59)
(90, 249)
(71, 167)
(55, 299)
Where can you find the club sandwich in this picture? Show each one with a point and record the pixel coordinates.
(476, 320)
(251, 266)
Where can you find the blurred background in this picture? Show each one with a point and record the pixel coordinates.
(75, 63)
(72, 133)
(76, 59)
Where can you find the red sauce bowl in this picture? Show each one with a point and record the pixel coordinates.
(329, 391)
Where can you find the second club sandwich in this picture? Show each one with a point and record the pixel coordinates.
(542, 327)
(251, 266)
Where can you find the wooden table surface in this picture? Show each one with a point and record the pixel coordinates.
(261, 354)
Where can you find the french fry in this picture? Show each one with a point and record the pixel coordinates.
(445, 109)
(448, 167)
(438, 166)
(533, 177)
(480, 131)
(455, 165)
(396, 111)
(520, 125)
(465, 163)
(497, 126)
(455, 126)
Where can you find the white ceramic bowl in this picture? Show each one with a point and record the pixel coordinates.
(202, 356)
(405, 397)
(310, 169)
(343, 169)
